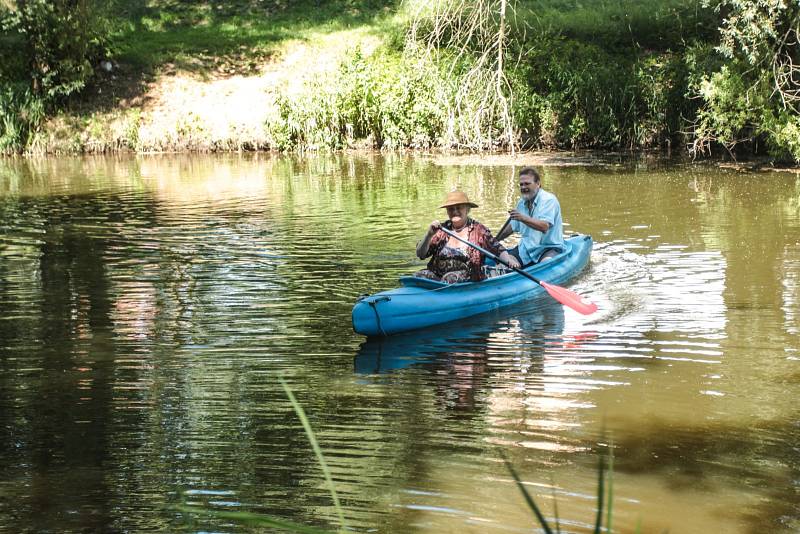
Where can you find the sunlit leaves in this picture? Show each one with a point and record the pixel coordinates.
(756, 95)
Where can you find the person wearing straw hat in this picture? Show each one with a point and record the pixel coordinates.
(452, 261)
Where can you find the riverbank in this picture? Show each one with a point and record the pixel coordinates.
(186, 80)
(173, 76)
(212, 110)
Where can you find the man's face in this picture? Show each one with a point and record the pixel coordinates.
(528, 187)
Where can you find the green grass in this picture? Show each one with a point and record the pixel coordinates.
(621, 24)
(312, 439)
(528, 498)
(193, 35)
(614, 25)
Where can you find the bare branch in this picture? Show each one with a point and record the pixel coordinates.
(474, 33)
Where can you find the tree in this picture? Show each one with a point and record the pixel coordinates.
(477, 30)
(756, 94)
(60, 40)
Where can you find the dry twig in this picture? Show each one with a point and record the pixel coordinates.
(477, 30)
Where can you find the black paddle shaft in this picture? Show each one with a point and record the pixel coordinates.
(503, 227)
(490, 255)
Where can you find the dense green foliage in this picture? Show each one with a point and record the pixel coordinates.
(754, 96)
(21, 114)
(606, 74)
(55, 43)
(610, 74)
(49, 49)
(386, 100)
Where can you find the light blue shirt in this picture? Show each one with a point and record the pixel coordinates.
(533, 243)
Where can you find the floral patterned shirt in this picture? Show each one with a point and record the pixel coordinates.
(476, 233)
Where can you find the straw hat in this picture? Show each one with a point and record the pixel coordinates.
(457, 197)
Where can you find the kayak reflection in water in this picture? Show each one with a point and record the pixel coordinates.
(454, 359)
(451, 260)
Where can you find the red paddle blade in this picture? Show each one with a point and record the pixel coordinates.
(570, 298)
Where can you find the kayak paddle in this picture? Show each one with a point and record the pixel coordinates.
(503, 227)
(561, 294)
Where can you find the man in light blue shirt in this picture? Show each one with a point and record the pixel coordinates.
(537, 218)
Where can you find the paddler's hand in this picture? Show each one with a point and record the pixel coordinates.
(514, 215)
(511, 260)
(422, 246)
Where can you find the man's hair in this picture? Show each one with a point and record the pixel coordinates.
(530, 171)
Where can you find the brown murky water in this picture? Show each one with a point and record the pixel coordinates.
(148, 305)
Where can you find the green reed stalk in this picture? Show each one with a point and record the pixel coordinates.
(598, 524)
(301, 414)
(528, 498)
(602, 487)
(610, 497)
(555, 504)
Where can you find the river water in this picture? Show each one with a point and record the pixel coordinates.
(149, 305)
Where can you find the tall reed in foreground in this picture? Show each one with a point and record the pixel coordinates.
(274, 522)
(317, 450)
(604, 495)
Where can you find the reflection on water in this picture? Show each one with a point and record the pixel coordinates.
(460, 358)
(522, 325)
(147, 306)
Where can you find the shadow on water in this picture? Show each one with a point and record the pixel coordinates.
(726, 455)
(97, 374)
(67, 404)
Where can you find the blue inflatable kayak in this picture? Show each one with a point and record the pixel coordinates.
(420, 302)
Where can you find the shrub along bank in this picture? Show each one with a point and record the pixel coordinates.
(713, 76)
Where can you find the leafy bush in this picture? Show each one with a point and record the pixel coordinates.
(59, 39)
(381, 99)
(754, 96)
(21, 114)
(576, 94)
(659, 104)
(565, 93)
(47, 48)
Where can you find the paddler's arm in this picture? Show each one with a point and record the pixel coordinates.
(536, 224)
(424, 245)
